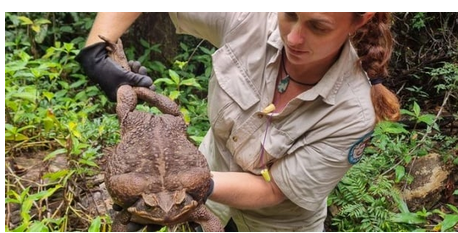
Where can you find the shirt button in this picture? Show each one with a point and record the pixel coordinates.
(235, 138)
(260, 115)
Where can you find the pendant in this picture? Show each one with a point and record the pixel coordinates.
(283, 85)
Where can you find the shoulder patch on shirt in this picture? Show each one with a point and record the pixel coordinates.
(356, 151)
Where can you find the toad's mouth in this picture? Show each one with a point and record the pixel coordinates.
(155, 214)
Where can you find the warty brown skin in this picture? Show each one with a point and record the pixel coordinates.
(155, 173)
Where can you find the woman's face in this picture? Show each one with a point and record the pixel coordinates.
(311, 37)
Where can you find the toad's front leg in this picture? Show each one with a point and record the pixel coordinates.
(126, 101)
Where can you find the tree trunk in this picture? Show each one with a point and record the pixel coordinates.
(156, 28)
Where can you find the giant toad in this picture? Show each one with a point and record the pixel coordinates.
(156, 174)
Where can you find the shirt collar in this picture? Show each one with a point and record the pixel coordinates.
(331, 82)
(274, 38)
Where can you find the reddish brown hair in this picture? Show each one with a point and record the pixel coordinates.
(374, 45)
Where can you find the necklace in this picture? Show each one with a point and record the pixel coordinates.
(283, 84)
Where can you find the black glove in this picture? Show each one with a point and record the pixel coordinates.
(210, 190)
(109, 75)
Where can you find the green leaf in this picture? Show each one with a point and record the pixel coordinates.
(38, 227)
(55, 153)
(416, 109)
(48, 123)
(25, 209)
(16, 137)
(206, 51)
(95, 225)
(186, 116)
(450, 221)
(174, 95)
(144, 43)
(41, 33)
(180, 64)
(407, 112)
(42, 21)
(427, 118)
(11, 200)
(15, 66)
(25, 20)
(72, 126)
(88, 162)
(37, 73)
(81, 95)
(78, 84)
(199, 140)
(22, 227)
(67, 29)
(68, 46)
(36, 28)
(400, 173)
(410, 218)
(191, 82)
(30, 95)
(10, 128)
(24, 194)
(53, 176)
(164, 80)
(453, 208)
(64, 84)
(407, 158)
(48, 95)
(44, 194)
(174, 76)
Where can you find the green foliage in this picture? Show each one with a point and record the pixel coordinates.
(448, 73)
(27, 200)
(187, 87)
(51, 106)
(155, 68)
(418, 20)
(100, 224)
(412, 221)
(363, 198)
(368, 196)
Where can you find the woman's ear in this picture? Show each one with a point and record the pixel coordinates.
(364, 19)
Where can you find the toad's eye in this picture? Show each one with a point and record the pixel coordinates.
(179, 197)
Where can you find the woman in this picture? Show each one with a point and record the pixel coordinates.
(290, 105)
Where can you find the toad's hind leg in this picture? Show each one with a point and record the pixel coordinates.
(207, 220)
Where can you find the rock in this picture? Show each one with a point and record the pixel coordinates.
(430, 175)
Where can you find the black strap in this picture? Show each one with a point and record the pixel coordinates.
(375, 81)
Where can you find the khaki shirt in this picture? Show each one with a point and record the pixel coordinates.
(308, 146)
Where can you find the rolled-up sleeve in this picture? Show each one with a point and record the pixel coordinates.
(307, 177)
(211, 26)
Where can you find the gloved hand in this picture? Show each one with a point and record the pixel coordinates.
(210, 190)
(109, 75)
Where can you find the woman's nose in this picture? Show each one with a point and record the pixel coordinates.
(295, 36)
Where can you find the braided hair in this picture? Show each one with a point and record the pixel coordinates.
(374, 44)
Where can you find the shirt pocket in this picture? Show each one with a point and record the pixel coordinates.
(231, 92)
